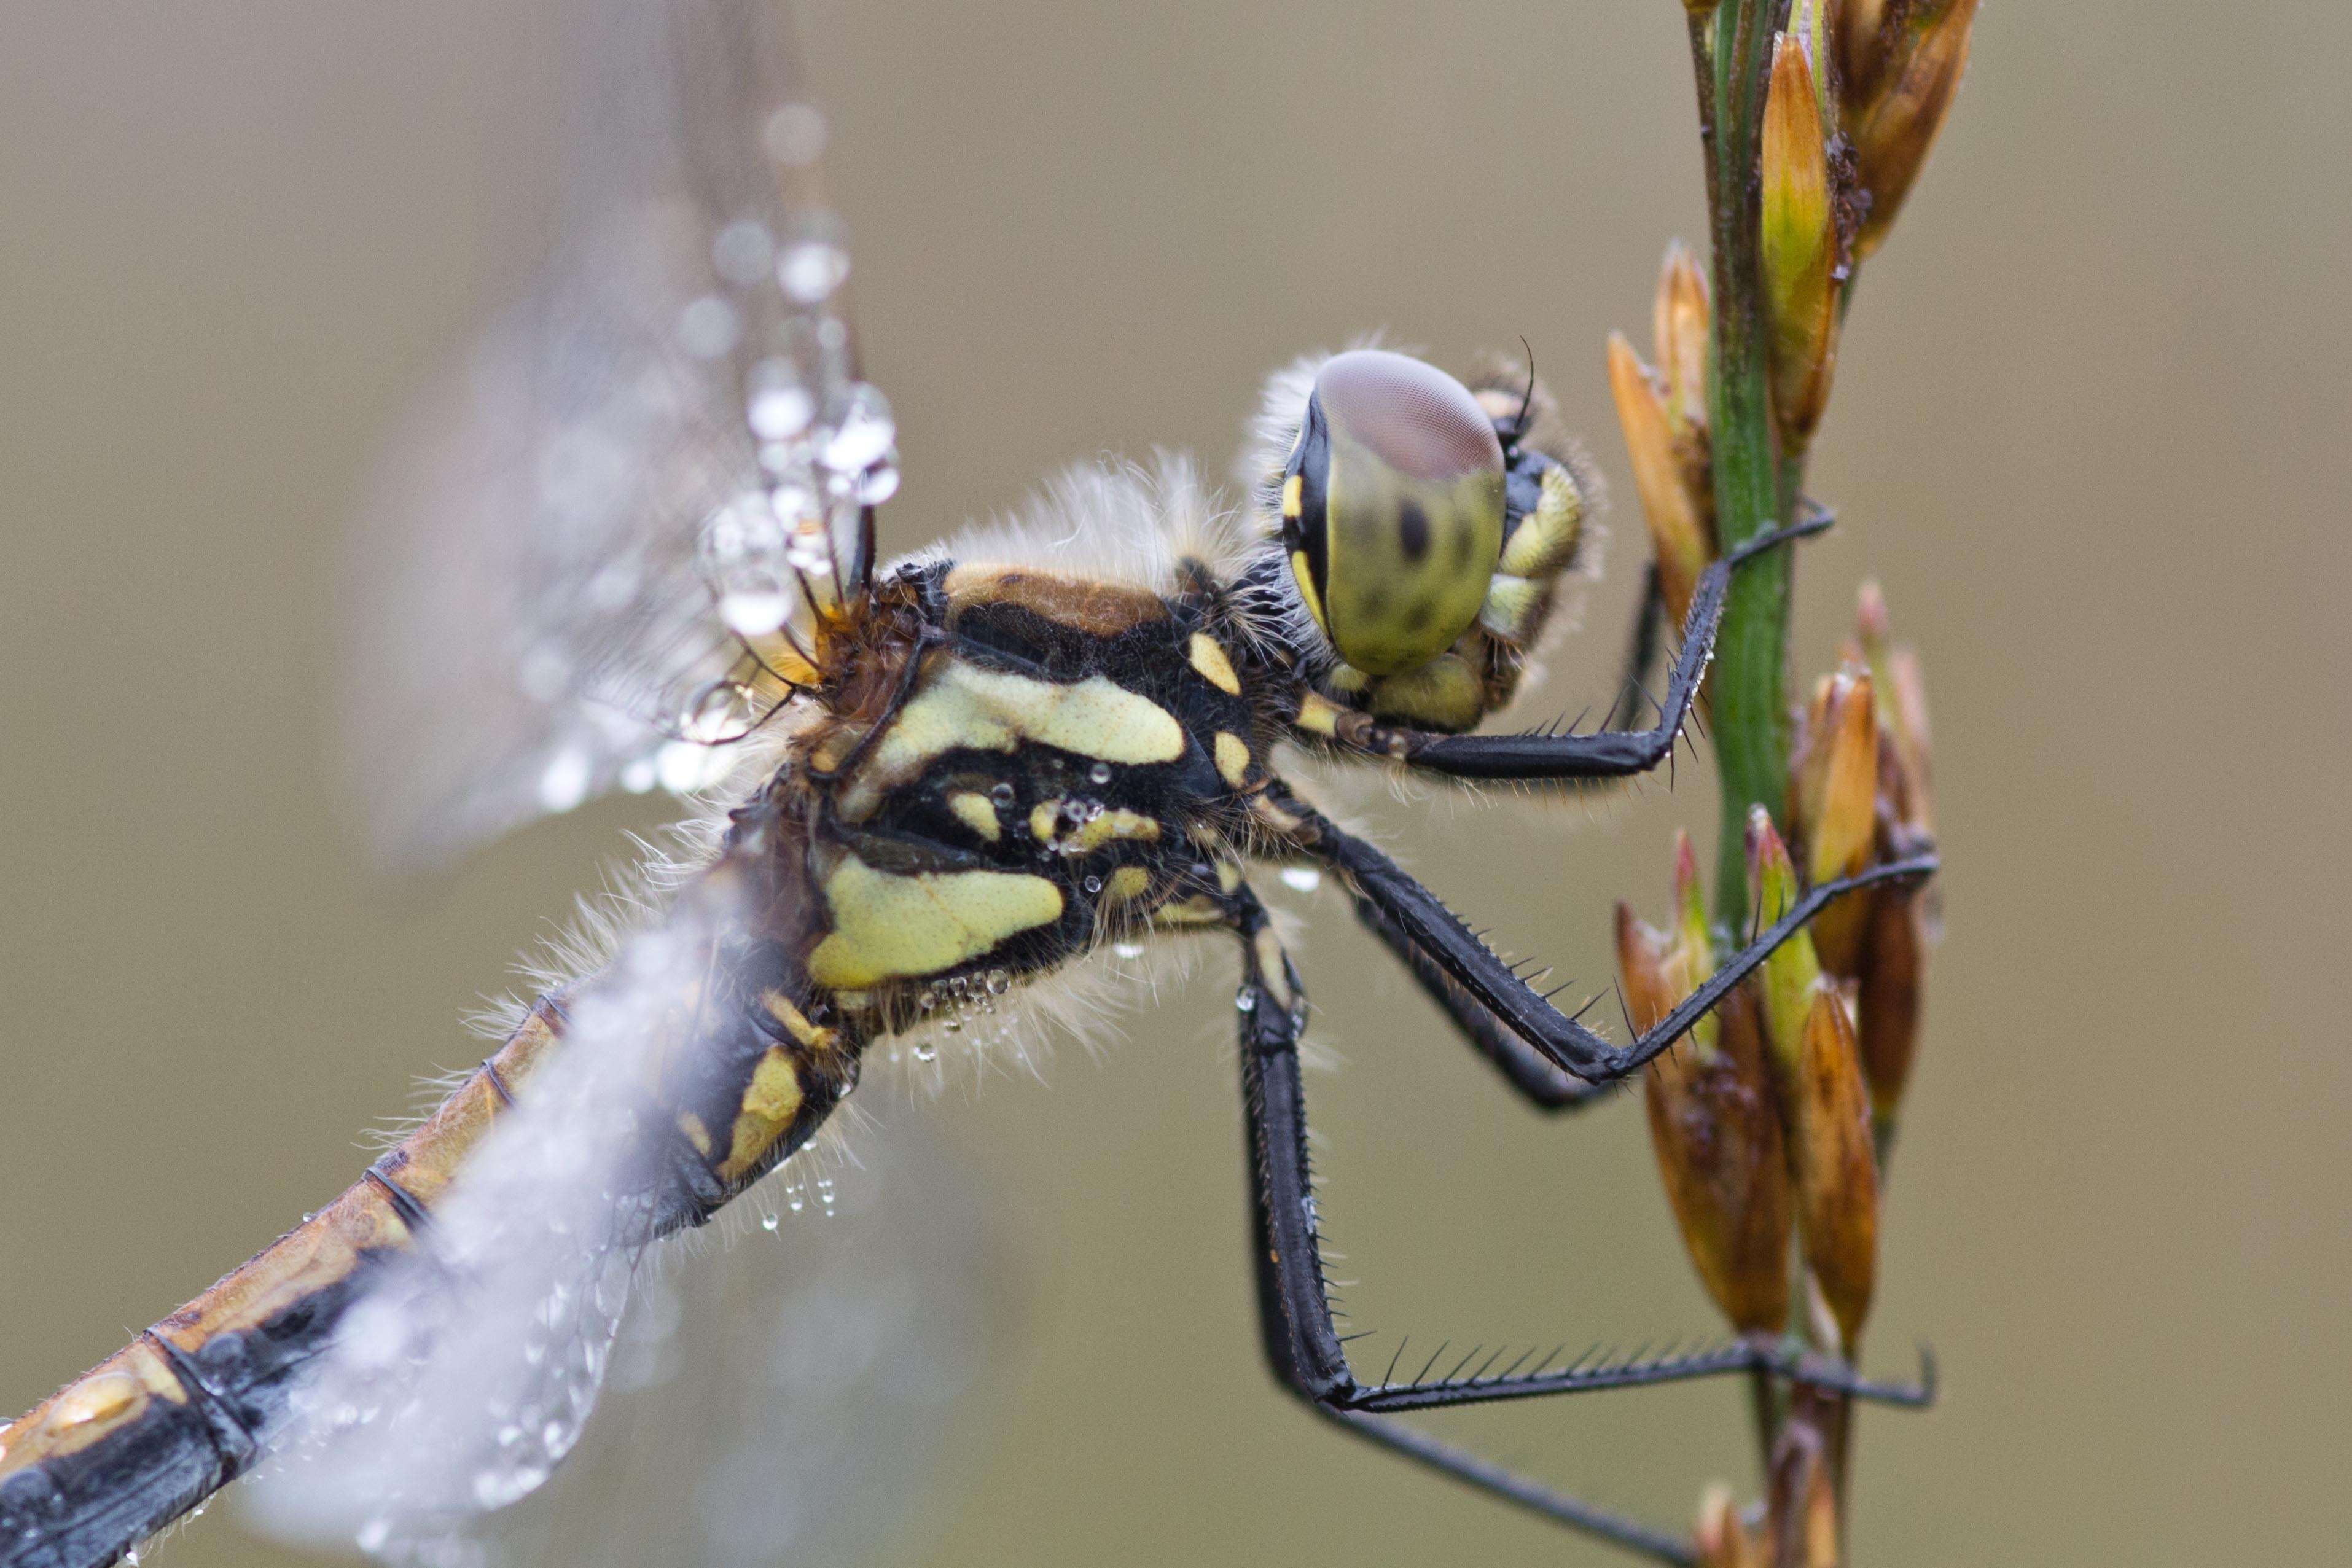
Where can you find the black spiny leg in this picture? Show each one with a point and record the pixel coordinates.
(1527, 1069)
(1608, 754)
(1439, 938)
(1294, 1307)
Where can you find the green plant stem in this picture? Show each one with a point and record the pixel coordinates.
(1753, 490)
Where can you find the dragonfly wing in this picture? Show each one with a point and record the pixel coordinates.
(790, 1398)
(604, 538)
(465, 1371)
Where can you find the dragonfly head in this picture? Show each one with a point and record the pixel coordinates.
(1392, 507)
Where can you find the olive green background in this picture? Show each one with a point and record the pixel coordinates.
(2090, 429)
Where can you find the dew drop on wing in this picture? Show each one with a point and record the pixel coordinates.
(858, 429)
(1302, 878)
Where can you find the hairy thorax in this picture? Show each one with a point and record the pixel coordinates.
(1029, 764)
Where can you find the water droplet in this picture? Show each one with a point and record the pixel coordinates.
(374, 1535)
(1245, 999)
(719, 712)
(815, 260)
(770, 1221)
(1094, 884)
(710, 328)
(1305, 878)
(639, 775)
(563, 783)
(794, 135)
(861, 427)
(1001, 794)
(740, 253)
(1100, 774)
(999, 982)
(1127, 949)
(952, 1024)
(880, 482)
(926, 1050)
(778, 406)
(795, 1196)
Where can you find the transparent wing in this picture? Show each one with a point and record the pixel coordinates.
(604, 542)
(791, 1395)
(466, 1371)
(782, 1391)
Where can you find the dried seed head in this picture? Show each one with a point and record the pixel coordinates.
(1902, 64)
(1714, 1126)
(1680, 533)
(1800, 262)
(1837, 1172)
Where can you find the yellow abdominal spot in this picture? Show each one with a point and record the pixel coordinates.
(1127, 884)
(770, 1102)
(1233, 758)
(991, 710)
(1214, 667)
(886, 925)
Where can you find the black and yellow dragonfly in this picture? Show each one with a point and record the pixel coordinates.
(644, 557)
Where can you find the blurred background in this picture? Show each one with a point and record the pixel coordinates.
(2090, 430)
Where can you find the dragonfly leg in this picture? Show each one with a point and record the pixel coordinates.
(1543, 756)
(1300, 1339)
(1412, 917)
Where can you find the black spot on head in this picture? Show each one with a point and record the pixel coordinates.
(1423, 612)
(1413, 532)
(1375, 605)
(1464, 540)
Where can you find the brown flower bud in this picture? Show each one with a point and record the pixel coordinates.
(1902, 65)
(1714, 1126)
(1720, 1538)
(1681, 322)
(1837, 1172)
(1833, 786)
(1680, 533)
(1800, 1514)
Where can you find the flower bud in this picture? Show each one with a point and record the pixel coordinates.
(1681, 321)
(1790, 972)
(1837, 1170)
(1719, 1538)
(1801, 1515)
(1714, 1126)
(1800, 258)
(1680, 532)
(1903, 64)
(1833, 786)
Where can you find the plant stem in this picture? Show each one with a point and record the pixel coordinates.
(1754, 489)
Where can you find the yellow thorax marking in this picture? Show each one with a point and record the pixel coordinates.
(886, 925)
(1233, 758)
(1214, 667)
(796, 1022)
(770, 1102)
(976, 811)
(995, 710)
(1093, 833)
(1294, 491)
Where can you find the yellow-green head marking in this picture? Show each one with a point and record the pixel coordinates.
(1392, 508)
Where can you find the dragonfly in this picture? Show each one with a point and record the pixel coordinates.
(639, 554)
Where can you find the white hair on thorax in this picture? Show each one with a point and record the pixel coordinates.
(1111, 519)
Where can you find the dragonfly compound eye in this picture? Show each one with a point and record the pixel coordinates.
(1392, 508)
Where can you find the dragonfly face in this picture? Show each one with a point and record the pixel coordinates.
(636, 549)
